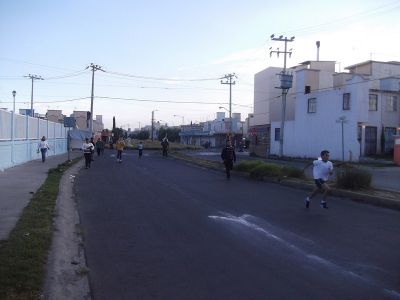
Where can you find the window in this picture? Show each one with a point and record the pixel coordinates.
(391, 103)
(346, 101)
(373, 102)
(307, 89)
(312, 105)
(277, 134)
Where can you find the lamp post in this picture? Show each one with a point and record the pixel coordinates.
(342, 120)
(12, 128)
(183, 118)
(152, 124)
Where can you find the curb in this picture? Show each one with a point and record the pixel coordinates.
(368, 197)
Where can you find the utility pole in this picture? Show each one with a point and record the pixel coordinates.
(286, 84)
(228, 80)
(94, 68)
(152, 125)
(33, 77)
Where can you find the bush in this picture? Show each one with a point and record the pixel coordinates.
(265, 170)
(353, 178)
(292, 172)
(247, 165)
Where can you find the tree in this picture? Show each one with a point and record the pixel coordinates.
(143, 135)
(140, 135)
(171, 133)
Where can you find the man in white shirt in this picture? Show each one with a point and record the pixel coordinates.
(321, 171)
(87, 148)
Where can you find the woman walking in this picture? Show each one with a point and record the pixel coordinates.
(43, 147)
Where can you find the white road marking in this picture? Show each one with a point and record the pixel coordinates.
(243, 220)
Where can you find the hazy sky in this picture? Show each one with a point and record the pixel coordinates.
(175, 51)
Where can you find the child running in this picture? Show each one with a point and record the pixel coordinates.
(321, 171)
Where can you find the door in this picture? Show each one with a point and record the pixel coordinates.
(370, 140)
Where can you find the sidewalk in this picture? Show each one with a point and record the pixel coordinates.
(19, 183)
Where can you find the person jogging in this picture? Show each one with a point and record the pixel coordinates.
(228, 155)
(120, 147)
(321, 171)
(99, 147)
(165, 147)
(87, 148)
(43, 146)
(140, 148)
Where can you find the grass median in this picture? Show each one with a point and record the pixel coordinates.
(23, 256)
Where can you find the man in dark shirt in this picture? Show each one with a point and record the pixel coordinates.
(229, 157)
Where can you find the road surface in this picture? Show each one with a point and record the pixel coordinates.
(160, 228)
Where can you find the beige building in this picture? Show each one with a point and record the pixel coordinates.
(55, 116)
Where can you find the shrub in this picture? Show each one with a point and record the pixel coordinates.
(353, 178)
(247, 165)
(292, 172)
(265, 170)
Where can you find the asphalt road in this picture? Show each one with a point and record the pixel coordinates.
(159, 228)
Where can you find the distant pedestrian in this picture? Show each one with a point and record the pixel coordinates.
(87, 148)
(43, 146)
(93, 143)
(140, 148)
(228, 155)
(321, 171)
(165, 147)
(120, 147)
(99, 147)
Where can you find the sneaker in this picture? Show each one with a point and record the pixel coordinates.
(307, 202)
(324, 205)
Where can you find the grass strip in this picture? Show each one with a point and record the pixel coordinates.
(23, 256)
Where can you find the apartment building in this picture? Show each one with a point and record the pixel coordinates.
(353, 114)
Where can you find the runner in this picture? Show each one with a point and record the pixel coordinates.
(140, 148)
(228, 155)
(321, 171)
(120, 147)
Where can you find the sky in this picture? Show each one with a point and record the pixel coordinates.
(169, 56)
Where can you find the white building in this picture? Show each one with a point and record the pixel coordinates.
(366, 99)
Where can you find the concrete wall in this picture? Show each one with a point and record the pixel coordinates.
(22, 146)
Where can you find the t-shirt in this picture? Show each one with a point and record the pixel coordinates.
(321, 169)
(87, 147)
(43, 145)
(120, 145)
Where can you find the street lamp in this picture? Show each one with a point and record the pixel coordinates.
(342, 120)
(152, 124)
(13, 127)
(183, 118)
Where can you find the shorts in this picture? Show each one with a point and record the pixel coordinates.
(319, 182)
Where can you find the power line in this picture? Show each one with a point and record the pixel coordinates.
(344, 20)
(159, 78)
(161, 101)
(74, 74)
